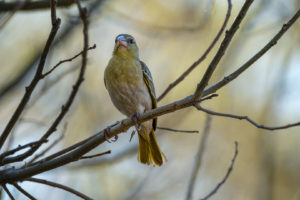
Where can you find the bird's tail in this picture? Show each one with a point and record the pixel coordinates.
(149, 151)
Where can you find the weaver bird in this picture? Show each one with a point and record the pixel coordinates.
(131, 89)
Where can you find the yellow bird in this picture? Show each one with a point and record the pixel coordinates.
(131, 89)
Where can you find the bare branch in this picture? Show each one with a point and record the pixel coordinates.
(24, 192)
(11, 152)
(175, 130)
(63, 187)
(53, 4)
(32, 85)
(7, 192)
(96, 155)
(246, 118)
(51, 146)
(235, 74)
(65, 108)
(193, 66)
(226, 176)
(33, 5)
(225, 43)
(199, 158)
(67, 60)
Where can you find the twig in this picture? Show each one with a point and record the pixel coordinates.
(7, 192)
(32, 85)
(235, 74)
(191, 68)
(65, 108)
(96, 155)
(226, 176)
(132, 134)
(34, 121)
(24, 192)
(246, 118)
(199, 158)
(67, 60)
(11, 152)
(63, 187)
(53, 4)
(225, 43)
(33, 5)
(175, 130)
(51, 146)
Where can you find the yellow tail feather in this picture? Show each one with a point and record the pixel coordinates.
(149, 152)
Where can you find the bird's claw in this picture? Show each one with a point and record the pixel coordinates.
(135, 117)
(106, 133)
(116, 138)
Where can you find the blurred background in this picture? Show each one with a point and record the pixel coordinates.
(171, 35)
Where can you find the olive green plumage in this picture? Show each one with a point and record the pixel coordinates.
(131, 89)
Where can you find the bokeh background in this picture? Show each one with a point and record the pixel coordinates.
(171, 35)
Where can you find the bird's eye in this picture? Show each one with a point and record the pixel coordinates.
(131, 41)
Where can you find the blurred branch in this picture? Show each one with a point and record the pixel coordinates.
(175, 130)
(51, 146)
(67, 60)
(191, 68)
(34, 5)
(7, 192)
(31, 87)
(96, 155)
(18, 6)
(63, 187)
(11, 152)
(239, 71)
(226, 176)
(53, 4)
(246, 118)
(199, 158)
(24, 192)
(221, 51)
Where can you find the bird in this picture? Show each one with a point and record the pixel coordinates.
(131, 89)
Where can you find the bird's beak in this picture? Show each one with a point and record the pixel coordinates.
(122, 41)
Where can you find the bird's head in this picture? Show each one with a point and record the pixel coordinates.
(125, 46)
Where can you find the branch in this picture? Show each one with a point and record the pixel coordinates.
(175, 130)
(7, 192)
(67, 60)
(65, 108)
(226, 176)
(24, 192)
(53, 4)
(191, 68)
(50, 147)
(246, 118)
(32, 85)
(199, 157)
(235, 74)
(96, 155)
(225, 43)
(33, 5)
(11, 152)
(63, 187)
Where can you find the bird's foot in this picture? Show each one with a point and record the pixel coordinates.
(135, 117)
(106, 133)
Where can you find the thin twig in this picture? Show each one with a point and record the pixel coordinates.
(7, 192)
(67, 60)
(248, 119)
(191, 68)
(24, 192)
(11, 152)
(53, 4)
(199, 157)
(33, 5)
(226, 176)
(264, 50)
(63, 187)
(51, 146)
(132, 134)
(175, 130)
(225, 43)
(31, 87)
(96, 155)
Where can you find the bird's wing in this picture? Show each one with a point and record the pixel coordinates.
(149, 82)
